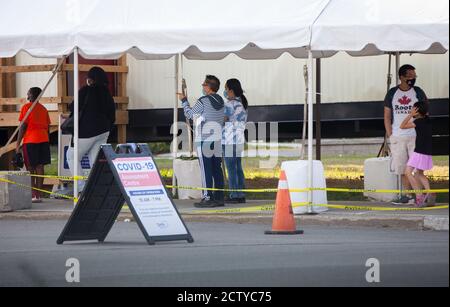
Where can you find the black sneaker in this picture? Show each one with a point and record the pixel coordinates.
(404, 200)
(207, 204)
(232, 200)
(242, 200)
(219, 203)
(201, 203)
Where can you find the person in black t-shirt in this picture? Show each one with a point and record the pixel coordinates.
(421, 160)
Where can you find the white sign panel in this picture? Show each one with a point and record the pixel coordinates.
(64, 141)
(143, 185)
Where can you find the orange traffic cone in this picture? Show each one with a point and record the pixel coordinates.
(283, 218)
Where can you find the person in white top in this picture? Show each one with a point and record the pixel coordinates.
(398, 104)
(233, 138)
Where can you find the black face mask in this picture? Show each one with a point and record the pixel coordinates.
(411, 82)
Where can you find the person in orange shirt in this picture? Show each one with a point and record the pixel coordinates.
(34, 133)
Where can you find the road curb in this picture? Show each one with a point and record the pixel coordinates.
(437, 223)
(404, 222)
(409, 222)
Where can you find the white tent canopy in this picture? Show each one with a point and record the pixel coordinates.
(252, 29)
(370, 27)
(158, 29)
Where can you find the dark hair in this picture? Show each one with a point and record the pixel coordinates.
(404, 70)
(235, 86)
(34, 93)
(422, 108)
(98, 75)
(213, 82)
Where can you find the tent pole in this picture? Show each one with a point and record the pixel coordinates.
(185, 92)
(318, 102)
(76, 124)
(397, 67)
(389, 75)
(384, 150)
(310, 130)
(175, 121)
(397, 82)
(305, 113)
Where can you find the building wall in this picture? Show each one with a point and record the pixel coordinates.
(267, 82)
(151, 84)
(346, 78)
(24, 81)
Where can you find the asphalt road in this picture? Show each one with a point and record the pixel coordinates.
(224, 255)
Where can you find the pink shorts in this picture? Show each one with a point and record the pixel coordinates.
(420, 161)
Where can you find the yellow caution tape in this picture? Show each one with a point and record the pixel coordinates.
(64, 178)
(265, 208)
(261, 208)
(343, 190)
(380, 191)
(228, 190)
(372, 208)
(309, 189)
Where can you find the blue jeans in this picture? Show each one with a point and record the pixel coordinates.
(210, 158)
(233, 161)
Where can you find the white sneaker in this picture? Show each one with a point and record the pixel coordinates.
(36, 200)
(404, 200)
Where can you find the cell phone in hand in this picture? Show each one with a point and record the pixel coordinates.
(184, 87)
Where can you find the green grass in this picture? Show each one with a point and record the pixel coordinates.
(340, 171)
(336, 167)
(346, 167)
(52, 169)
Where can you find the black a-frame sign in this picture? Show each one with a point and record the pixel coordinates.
(128, 175)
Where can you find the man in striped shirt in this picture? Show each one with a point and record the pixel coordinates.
(208, 116)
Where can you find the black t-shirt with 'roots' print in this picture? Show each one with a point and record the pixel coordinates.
(424, 137)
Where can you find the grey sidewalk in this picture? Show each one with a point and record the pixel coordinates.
(437, 219)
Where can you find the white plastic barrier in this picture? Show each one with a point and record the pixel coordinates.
(188, 174)
(379, 176)
(297, 176)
